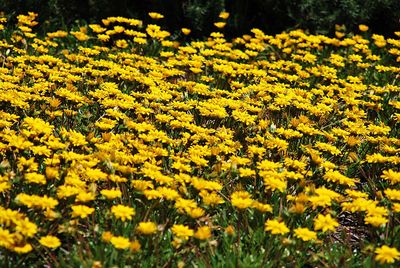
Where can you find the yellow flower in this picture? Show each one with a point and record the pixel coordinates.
(203, 233)
(220, 24)
(325, 223)
(36, 201)
(81, 211)
(393, 194)
(305, 234)
(211, 199)
(327, 148)
(111, 194)
(376, 220)
(195, 212)
(106, 236)
(297, 207)
(185, 31)
(123, 212)
(177, 242)
(51, 172)
(387, 254)
(140, 40)
(120, 242)
(38, 126)
(320, 200)
(97, 264)
(224, 15)
(230, 230)
(241, 199)
(51, 214)
(85, 197)
(246, 172)
(121, 43)
(135, 246)
(80, 36)
(146, 228)
(6, 238)
(25, 227)
(35, 178)
(103, 37)
(76, 138)
(23, 249)
(261, 207)
(155, 15)
(339, 34)
(392, 176)
(336, 176)
(182, 231)
(363, 27)
(396, 207)
(276, 227)
(50, 241)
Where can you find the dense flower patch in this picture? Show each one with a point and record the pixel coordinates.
(119, 146)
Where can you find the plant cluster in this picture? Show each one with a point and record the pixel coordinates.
(122, 147)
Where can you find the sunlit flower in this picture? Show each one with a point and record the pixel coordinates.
(23, 249)
(135, 246)
(363, 27)
(185, 31)
(81, 211)
(146, 228)
(241, 199)
(305, 234)
(182, 231)
(203, 233)
(220, 24)
(155, 15)
(387, 254)
(50, 241)
(6, 238)
(223, 15)
(276, 227)
(230, 230)
(123, 212)
(120, 242)
(106, 236)
(111, 194)
(325, 223)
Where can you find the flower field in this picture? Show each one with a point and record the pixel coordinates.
(121, 147)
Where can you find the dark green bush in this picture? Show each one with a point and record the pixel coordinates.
(321, 15)
(272, 16)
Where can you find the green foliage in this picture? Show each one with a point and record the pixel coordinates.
(272, 16)
(320, 16)
(199, 11)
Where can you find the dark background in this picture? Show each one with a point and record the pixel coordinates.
(271, 16)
